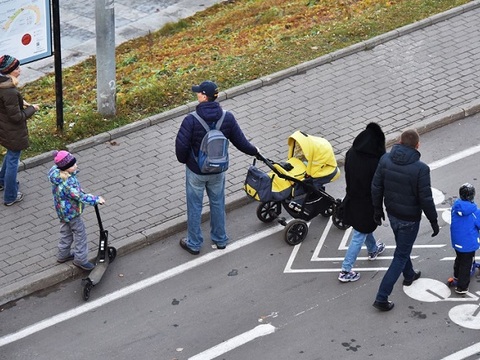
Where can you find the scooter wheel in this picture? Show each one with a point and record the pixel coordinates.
(268, 211)
(86, 290)
(295, 232)
(112, 253)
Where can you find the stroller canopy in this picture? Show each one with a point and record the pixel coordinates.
(316, 152)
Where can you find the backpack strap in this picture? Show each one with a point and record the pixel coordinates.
(220, 121)
(205, 125)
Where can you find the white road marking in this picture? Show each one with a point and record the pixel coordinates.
(454, 157)
(239, 340)
(438, 197)
(465, 353)
(7, 339)
(67, 315)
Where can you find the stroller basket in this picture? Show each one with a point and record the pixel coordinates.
(276, 185)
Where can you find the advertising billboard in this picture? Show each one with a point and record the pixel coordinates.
(25, 29)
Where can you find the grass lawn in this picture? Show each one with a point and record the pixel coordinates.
(230, 43)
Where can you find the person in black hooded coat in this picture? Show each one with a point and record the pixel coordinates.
(361, 162)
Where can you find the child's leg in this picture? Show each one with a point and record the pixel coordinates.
(464, 269)
(456, 265)
(80, 240)
(65, 243)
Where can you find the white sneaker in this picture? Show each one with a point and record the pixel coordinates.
(348, 276)
(380, 249)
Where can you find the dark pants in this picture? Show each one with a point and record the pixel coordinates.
(405, 235)
(462, 268)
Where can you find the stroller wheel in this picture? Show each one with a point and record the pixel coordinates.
(295, 232)
(328, 211)
(338, 222)
(268, 211)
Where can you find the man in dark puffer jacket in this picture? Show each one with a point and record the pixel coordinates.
(187, 145)
(402, 181)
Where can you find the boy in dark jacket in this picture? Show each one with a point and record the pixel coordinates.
(464, 234)
(187, 145)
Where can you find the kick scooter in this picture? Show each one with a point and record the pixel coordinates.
(106, 254)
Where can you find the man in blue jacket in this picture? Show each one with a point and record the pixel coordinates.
(402, 181)
(187, 145)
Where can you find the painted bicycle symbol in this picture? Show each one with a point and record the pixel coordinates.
(431, 290)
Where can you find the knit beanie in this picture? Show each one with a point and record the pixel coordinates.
(8, 64)
(63, 159)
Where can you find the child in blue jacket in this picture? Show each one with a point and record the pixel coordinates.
(69, 200)
(464, 234)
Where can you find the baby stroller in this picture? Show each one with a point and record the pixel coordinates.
(298, 185)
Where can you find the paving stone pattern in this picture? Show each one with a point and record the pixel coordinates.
(415, 80)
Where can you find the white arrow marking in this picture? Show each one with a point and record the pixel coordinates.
(226, 346)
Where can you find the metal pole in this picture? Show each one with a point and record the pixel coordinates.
(105, 31)
(57, 52)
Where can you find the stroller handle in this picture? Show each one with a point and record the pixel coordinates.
(271, 163)
(267, 162)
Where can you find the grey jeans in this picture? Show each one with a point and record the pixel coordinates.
(73, 232)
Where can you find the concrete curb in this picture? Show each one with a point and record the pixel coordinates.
(149, 236)
(60, 273)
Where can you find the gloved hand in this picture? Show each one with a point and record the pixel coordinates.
(378, 215)
(258, 156)
(435, 228)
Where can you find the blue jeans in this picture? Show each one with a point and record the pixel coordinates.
(215, 186)
(355, 246)
(405, 235)
(73, 232)
(8, 175)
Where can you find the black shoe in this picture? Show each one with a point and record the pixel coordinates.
(183, 244)
(220, 247)
(461, 291)
(416, 277)
(383, 305)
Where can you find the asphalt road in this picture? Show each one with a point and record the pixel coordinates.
(263, 299)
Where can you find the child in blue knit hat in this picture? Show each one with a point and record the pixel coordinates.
(70, 199)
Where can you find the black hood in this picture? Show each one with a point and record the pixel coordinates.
(371, 141)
